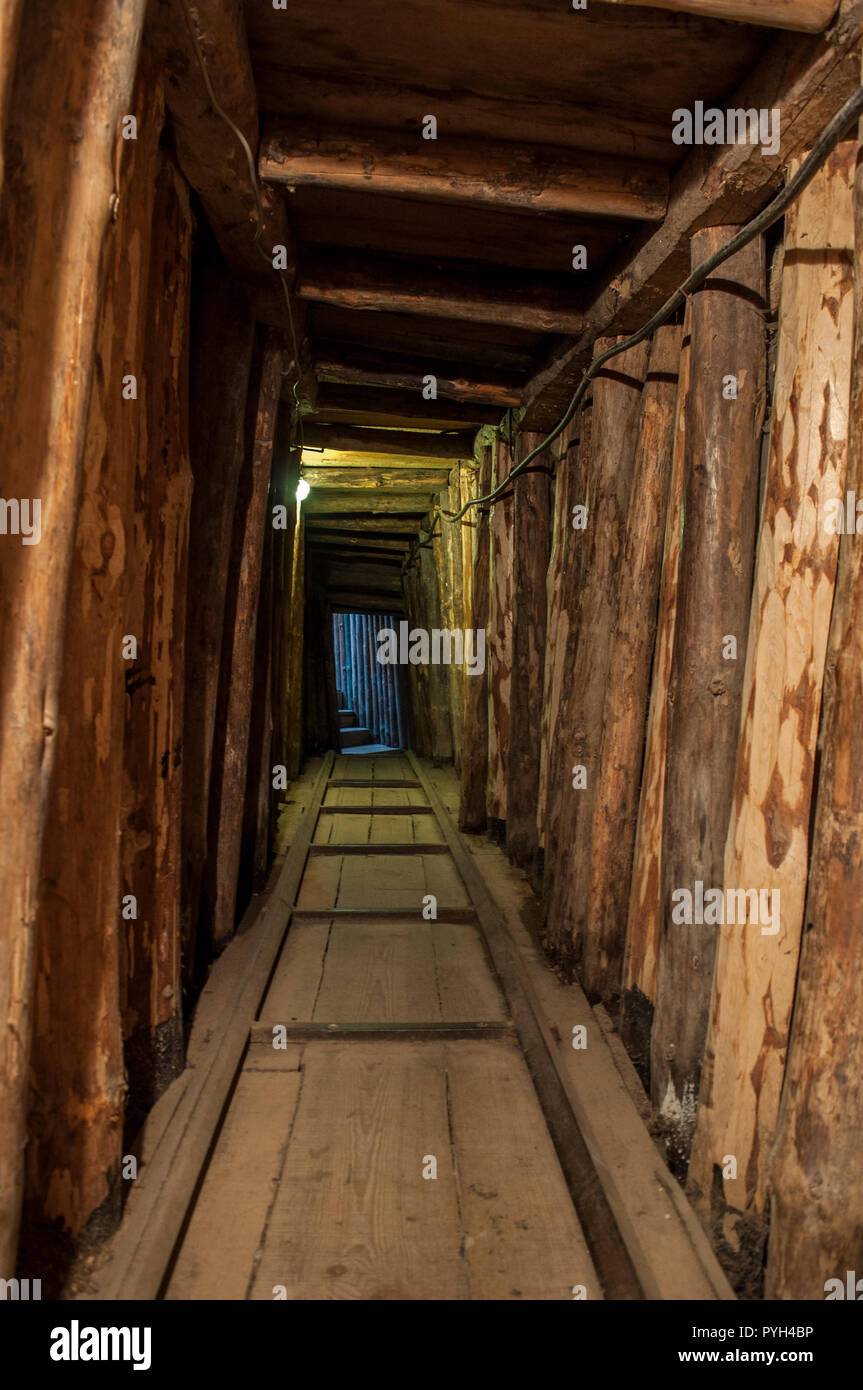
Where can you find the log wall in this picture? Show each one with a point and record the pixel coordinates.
(133, 411)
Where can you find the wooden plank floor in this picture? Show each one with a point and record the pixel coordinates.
(319, 1184)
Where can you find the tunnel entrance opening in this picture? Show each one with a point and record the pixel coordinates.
(369, 700)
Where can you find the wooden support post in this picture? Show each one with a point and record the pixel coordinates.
(614, 437)
(768, 837)
(562, 584)
(724, 411)
(815, 1211)
(76, 1063)
(474, 773)
(531, 546)
(438, 679)
(629, 664)
(645, 888)
(156, 618)
(223, 333)
(238, 666)
(499, 652)
(73, 80)
(254, 860)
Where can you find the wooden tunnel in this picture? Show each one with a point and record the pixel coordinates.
(286, 291)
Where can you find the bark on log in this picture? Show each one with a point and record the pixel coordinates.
(714, 591)
(223, 333)
(10, 22)
(562, 590)
(629, 663)
(531, 548)
(151, 846)
(73, 81)
(816, 1218)
(614, 437)
(238, 664)
(645, 890)
(768, 835)
(499, 654)
(808, 16)
(76, 1065)
(472, 812)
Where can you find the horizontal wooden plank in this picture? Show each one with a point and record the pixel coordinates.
(383, 371)
(357, 405)
(539, 178)
(542, 303)
(359, 499)
(805, 16)
(427, 445)
(364, 915)
(379, 847)
(417, 479)
(262, 1034)
(376, 811)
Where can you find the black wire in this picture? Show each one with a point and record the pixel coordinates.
(827, 140)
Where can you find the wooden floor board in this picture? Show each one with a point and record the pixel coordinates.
(217, 1256)
(354, 1218)
(316, 1186)
(522, 1237)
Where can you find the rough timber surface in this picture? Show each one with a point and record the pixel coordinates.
(401, 1054)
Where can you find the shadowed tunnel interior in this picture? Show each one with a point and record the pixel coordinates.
(430, 650)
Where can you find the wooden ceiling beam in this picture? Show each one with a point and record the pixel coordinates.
(357, 405)
(213, 161)
(423, 445)
(356, 499)
(380, 371)
(418, 479)
(401, 526)
(805, 16)
(344, 546)
(807, 80)
(493, 173)
(209, 153)
(539, 303)
(349, 601)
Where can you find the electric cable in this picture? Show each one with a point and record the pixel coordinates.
(823, 146)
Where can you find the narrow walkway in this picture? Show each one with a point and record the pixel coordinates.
(405, 1161)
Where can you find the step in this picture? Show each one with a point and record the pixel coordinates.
(347, 719)
(353, 738)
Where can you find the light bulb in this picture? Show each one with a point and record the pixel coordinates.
(303, 489)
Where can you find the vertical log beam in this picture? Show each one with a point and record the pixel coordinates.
(223, 333)
(499, 653)
(768, 834)
(614, 438)
(715, 585)
(76, 1064)
(629, 663)
(10, 21)
(472, 813)
(156, 616)
(531, 548)
(564, 578)
(73, 81)
(227, 808)
(816, 1211)
(645, 893)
